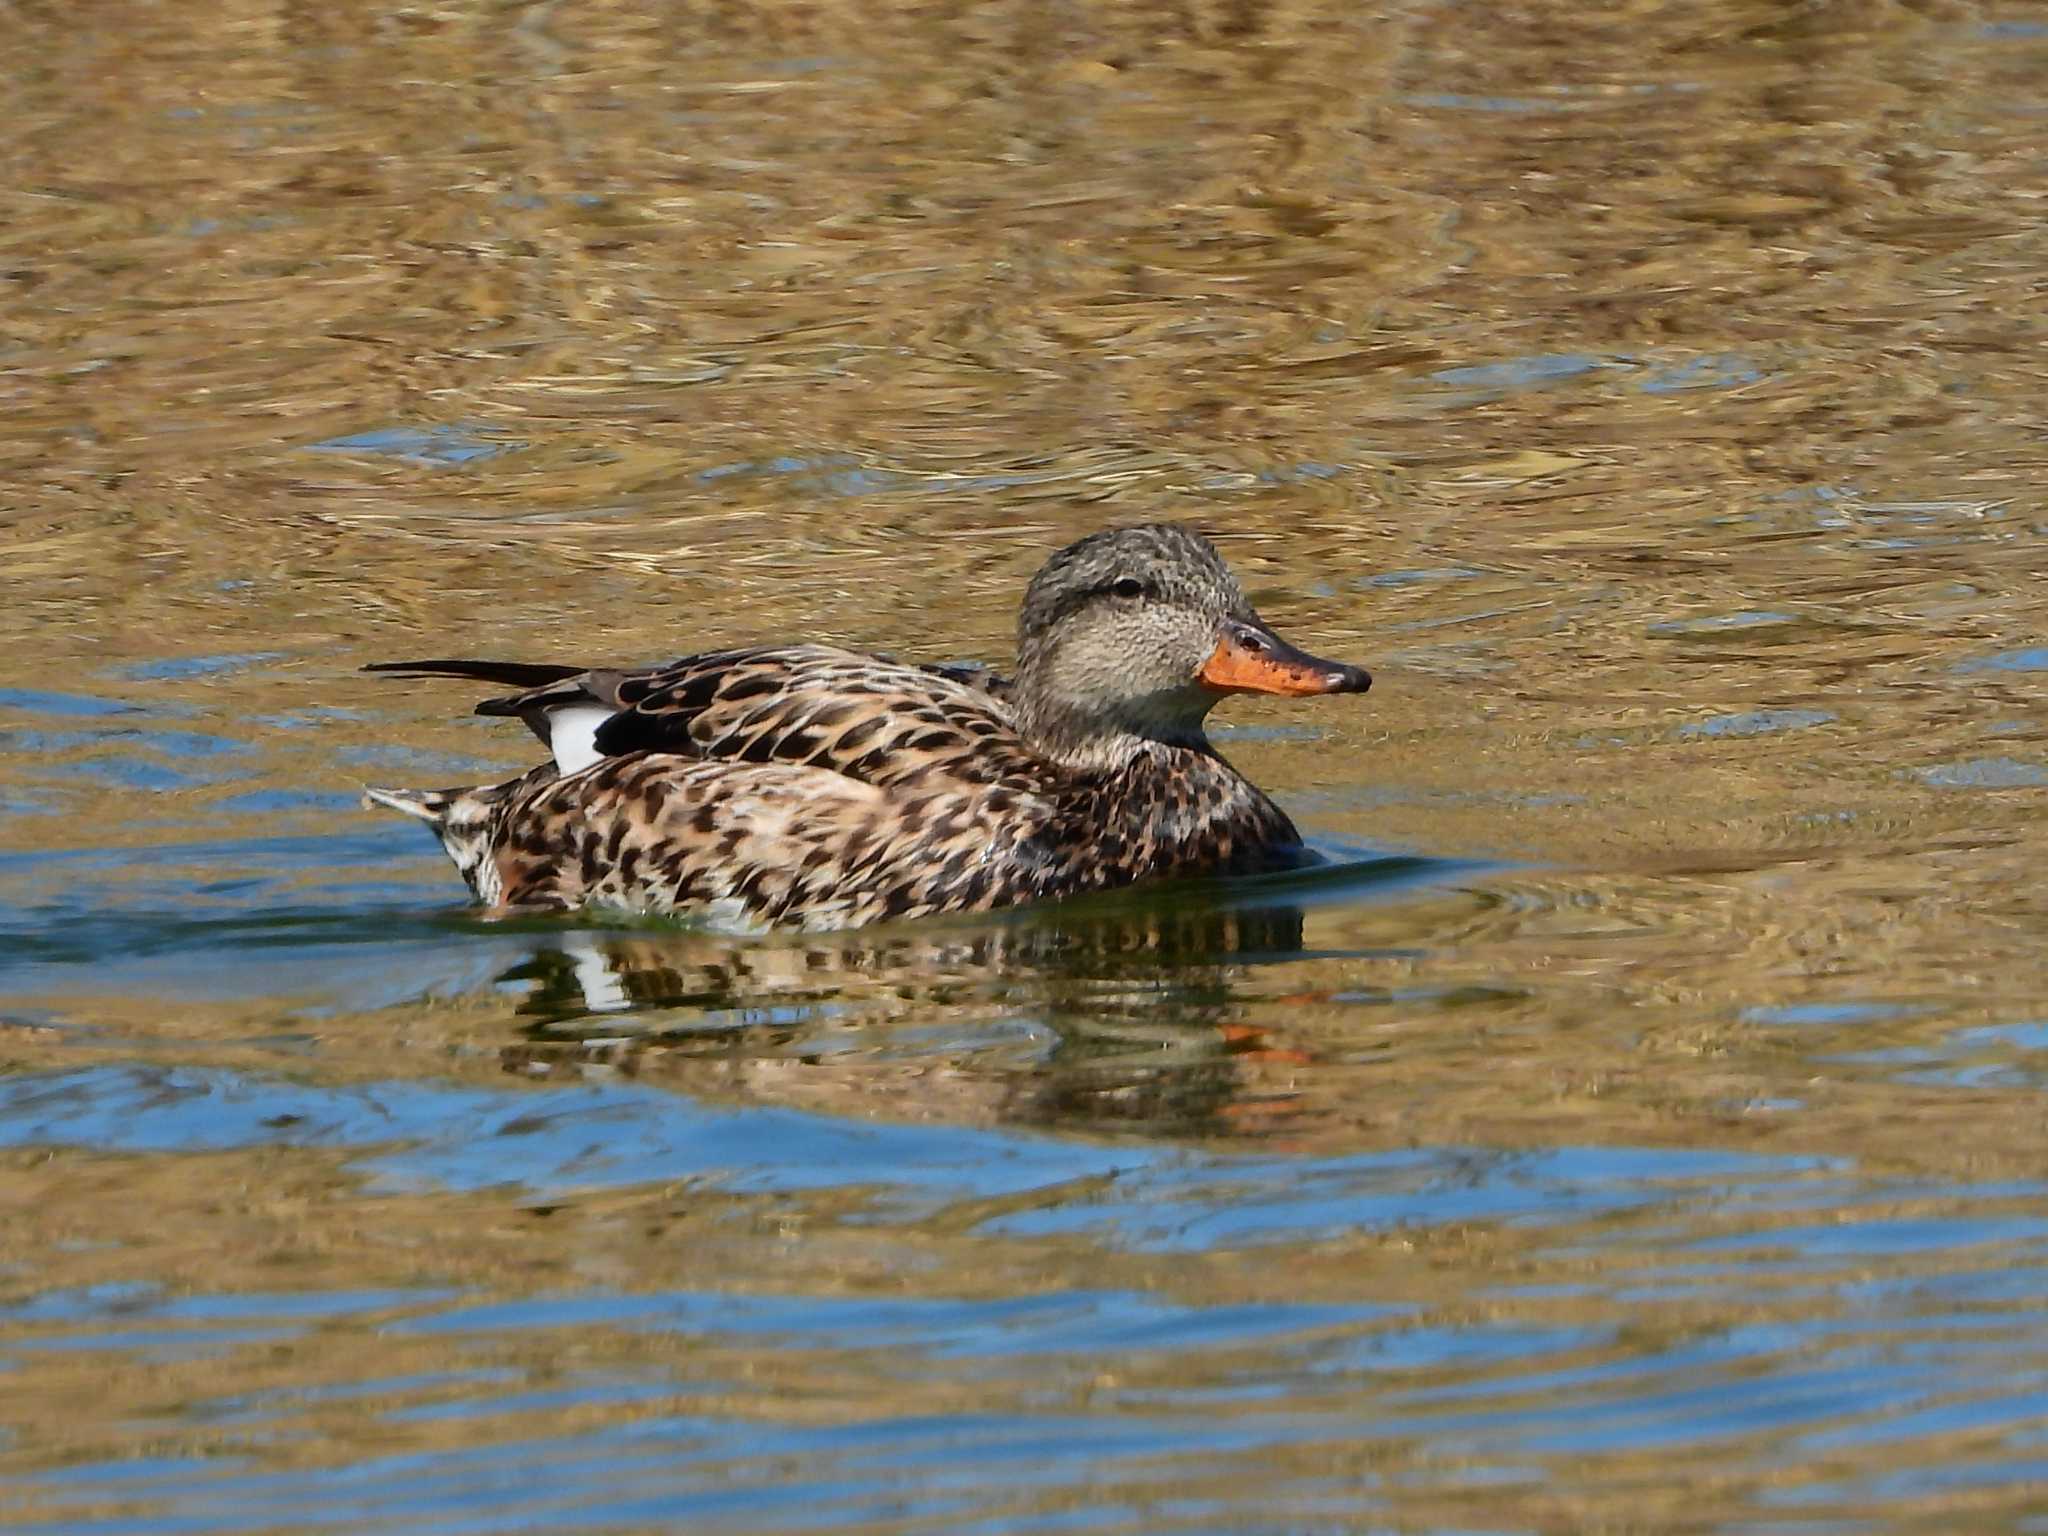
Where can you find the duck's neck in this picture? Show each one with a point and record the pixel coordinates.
(1092, 734)
(1090, 743)
(1169, 809)
(1143, 774)
(1142, 805)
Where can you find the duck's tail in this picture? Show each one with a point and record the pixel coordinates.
(466, 820)
(432, 806)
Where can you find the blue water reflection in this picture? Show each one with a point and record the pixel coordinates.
(412, 1135)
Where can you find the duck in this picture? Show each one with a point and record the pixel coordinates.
(810, 786)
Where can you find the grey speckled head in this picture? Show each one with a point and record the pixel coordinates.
(1136, 633)
(1167, 563)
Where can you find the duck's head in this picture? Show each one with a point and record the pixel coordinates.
(1137, 632)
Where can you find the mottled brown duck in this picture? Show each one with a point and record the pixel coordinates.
(825, 788)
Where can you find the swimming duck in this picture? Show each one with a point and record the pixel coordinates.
(826, 788)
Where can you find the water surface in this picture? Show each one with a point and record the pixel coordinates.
(1636, 1125)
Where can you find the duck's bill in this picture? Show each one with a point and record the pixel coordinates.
(1250, 659)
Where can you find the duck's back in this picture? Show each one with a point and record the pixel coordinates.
(872, 718)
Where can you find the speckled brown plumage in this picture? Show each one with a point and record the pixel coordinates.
(827, 788)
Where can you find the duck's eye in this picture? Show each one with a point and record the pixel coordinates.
(1130, 586)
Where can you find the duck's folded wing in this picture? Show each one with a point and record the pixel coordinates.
(869, 717)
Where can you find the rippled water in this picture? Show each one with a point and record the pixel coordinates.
(1638, 1124)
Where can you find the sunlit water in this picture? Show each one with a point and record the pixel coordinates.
(1638, 1123)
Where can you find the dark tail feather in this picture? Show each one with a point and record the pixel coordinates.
(516, 674)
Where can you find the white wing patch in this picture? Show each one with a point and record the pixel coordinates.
(572, 735)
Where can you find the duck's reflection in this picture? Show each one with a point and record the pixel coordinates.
(1127, 1016)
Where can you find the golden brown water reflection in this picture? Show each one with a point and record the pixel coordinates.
(1639, 1127)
